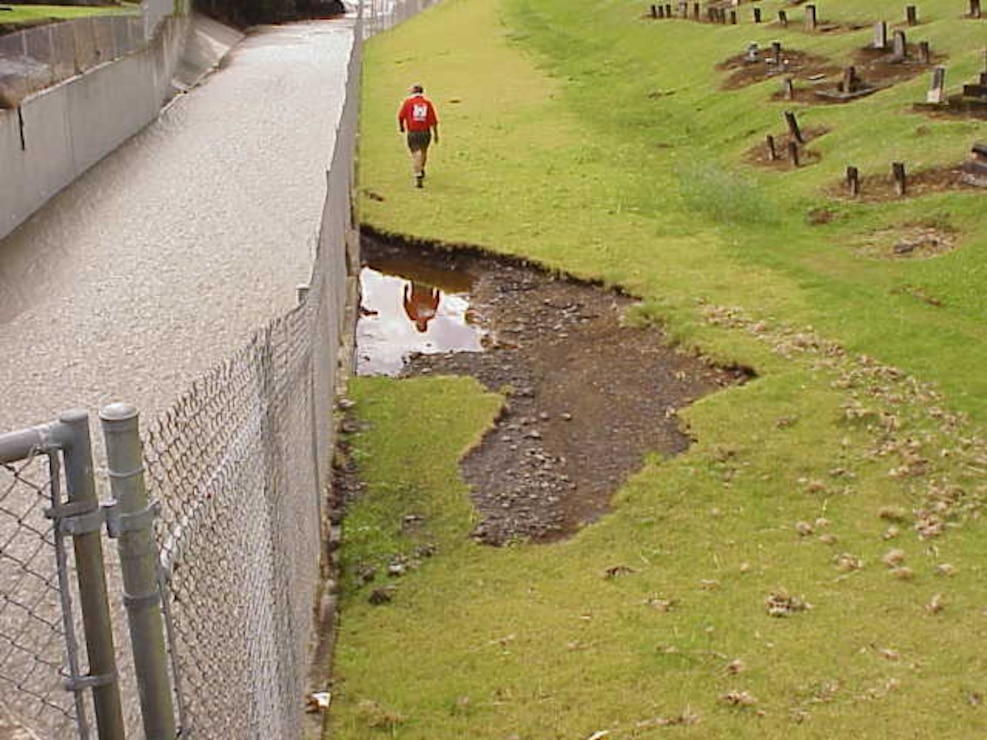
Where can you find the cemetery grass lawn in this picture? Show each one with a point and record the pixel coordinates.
(34, 14)
(598, 142)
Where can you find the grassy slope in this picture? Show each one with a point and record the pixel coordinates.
(578, 134)
(32, 14)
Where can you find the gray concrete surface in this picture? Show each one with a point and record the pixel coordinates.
(163, 258)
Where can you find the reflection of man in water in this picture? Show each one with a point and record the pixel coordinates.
(421, 302)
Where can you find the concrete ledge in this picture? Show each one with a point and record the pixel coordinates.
(55, 135)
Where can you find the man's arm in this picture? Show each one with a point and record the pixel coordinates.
(435, 132)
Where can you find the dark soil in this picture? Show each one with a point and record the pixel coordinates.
(796, 64)
(880, 188)
(587, 398)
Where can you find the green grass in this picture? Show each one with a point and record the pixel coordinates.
(34, 14)
(583, 136)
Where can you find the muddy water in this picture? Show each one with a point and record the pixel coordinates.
(410, 306)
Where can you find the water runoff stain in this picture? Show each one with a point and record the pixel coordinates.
(408, 307)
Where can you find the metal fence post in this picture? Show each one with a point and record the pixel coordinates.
(131, 522)
(88, 546)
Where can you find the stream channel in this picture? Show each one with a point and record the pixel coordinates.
(587, 396)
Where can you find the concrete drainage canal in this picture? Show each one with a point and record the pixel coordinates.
(587, 397)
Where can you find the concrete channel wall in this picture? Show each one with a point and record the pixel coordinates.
(55, 135)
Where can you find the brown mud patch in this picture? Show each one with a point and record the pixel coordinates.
(587, 397)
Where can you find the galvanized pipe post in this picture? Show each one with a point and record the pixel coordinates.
(131, 521)
(88, 547)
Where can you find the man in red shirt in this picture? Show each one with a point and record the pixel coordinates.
(417, 117)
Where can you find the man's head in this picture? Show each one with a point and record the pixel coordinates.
(417, 89)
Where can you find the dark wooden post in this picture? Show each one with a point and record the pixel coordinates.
(788, 88)
(696, 11)
(853, 181)
(668, 10)
(924, 52)
(783, 18)
(974, 8)
(733, 17)
(793, 153)
(793, 126)
(772, 152)
(898, 172)
(654, 11)
(757, 15)
(911, 15)
(810, 17)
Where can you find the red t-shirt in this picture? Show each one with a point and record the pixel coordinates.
(417, 114)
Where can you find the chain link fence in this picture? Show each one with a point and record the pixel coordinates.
(33, 664)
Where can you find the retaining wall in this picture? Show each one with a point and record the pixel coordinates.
(56, 135)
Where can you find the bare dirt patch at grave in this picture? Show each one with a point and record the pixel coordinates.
(880, 188)
(796, 64)
(587, 398)
(917, 240)
(817, 79)
(760, 155)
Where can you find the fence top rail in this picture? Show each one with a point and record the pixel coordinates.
(43, 438)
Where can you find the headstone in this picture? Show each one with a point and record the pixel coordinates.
(853, 181)
(793, 127)
(974, 171)
(911, 15)
(937, 90)
(899, 46)
(776, 53)
(783, 18)
(683, 10)
(753, 53)
(810, 17)
(757, 15)
(881, 35)
(924, 52)
(900, 180)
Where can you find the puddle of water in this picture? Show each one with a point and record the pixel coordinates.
(410, 307)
